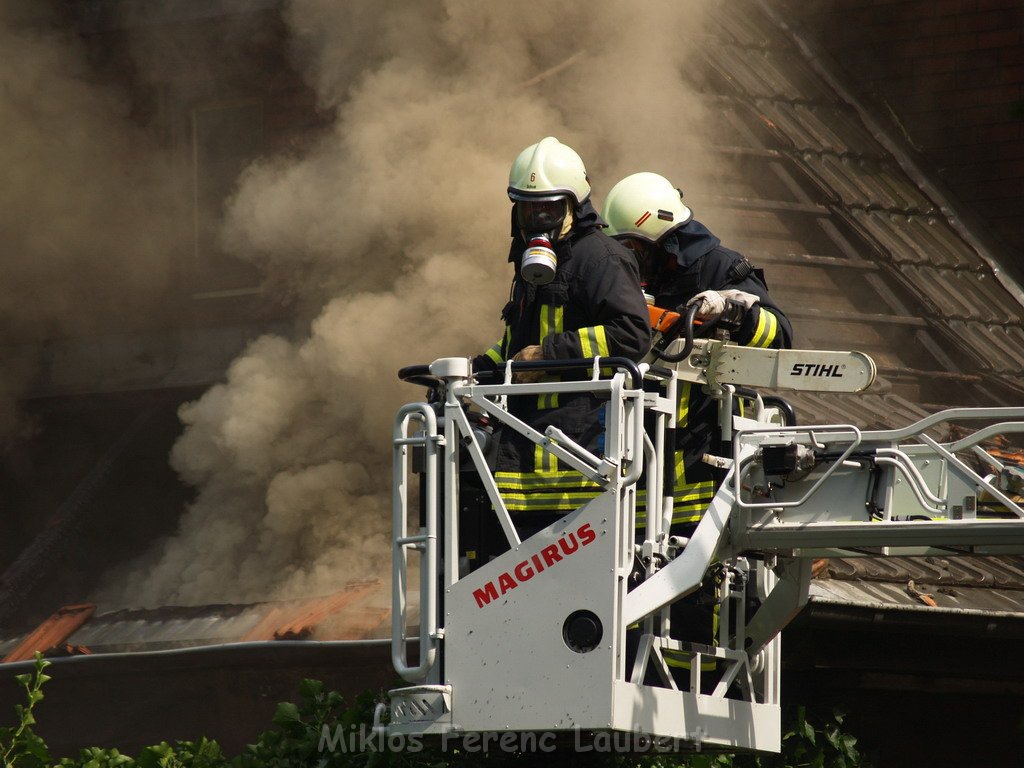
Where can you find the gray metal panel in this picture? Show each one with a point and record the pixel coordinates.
(167, 627)
(819, 128)
(883, 227)
(897, 595)
(742, 29)
(940, 243)
(739, 127)
(868, 411)
(917, 239)
(966, 295)
(954, 583)
(945, 300)
(756, 72)
(1002, 348)
(868, 183)
(994, 571)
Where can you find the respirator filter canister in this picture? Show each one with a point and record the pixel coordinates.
(539, 261)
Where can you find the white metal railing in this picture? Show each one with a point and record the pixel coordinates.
(941, 518)
(425, 542)
(620, 466)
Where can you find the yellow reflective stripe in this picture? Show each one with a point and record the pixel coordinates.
(544, 461)
(495, 353)
(773, 331)
(767, 327)
(683, 415)
(759, 330)
(547, 400)
(684, 663)
(674, 658)
(705, 488)
(692, 505)
(537, 496)
(548, 501)
(689, 502)
(550, 322)
(683, 519)
(602, 341)
(585, 347)
(641, 519)
(530, 491)
(567, 478)
(593, 341)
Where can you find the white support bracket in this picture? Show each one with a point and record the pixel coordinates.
(782, 604)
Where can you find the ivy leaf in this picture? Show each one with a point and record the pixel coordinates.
(309, 689)
(289, 718)
(849, 748)
(832, 734)
(807, 731)
(157, 756)
(287, 713)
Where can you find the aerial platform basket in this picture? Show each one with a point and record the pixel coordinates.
(570, 630)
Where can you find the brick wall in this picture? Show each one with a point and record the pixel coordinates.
(952, 73)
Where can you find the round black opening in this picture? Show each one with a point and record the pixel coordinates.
(582, 631)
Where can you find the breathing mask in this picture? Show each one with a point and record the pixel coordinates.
(541, 223)
(649, 261)
(539, 261)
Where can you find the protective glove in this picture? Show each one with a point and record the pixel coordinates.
(532, 352)
(748, 300)
(713, 303)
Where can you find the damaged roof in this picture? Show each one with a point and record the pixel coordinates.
(860, 248)
(862, 251)
(359, 611)
(990, 585)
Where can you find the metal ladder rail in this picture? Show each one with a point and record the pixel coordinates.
(424, 542)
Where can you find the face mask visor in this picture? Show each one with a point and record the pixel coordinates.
(646, 259)
(535, 215)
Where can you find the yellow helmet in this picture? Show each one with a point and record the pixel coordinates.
(548, 169)
(645, 206)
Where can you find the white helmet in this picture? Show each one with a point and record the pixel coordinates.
(645, 206)
(548, 169)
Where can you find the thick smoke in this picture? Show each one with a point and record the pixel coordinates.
(87, 205)
(398, 222)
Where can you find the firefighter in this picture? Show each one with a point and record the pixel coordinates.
(575, 294)
(681, 263)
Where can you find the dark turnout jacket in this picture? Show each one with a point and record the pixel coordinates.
(593, 307)
(701, 263)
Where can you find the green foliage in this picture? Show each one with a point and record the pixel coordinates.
(19, 746)
(321, 731)
(821, 746)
